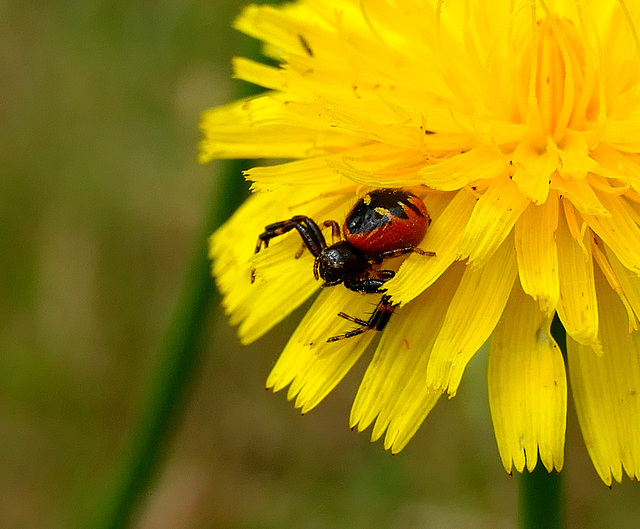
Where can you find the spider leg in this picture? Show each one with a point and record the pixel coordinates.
(335, 230)
(310, 233)
(420, 251)
(402, 251)
(363, 323)
(372, 283)
(377, 321)
(349, 334)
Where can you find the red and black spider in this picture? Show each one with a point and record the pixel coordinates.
(384, 223)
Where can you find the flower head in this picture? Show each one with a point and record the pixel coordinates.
(518, 125)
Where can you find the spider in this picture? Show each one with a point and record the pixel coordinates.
(384, 223)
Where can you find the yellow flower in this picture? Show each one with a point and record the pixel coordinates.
(518, 124)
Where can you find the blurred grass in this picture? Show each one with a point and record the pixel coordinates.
(100, 200)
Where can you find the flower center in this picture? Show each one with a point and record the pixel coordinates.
(552, 92)
(562, 86)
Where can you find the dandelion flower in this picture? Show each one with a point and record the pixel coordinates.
(518, 125)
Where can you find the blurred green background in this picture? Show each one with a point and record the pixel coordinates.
(100, 203)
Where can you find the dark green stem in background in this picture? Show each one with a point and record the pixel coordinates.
(540, 499)
(540, 496)
(175, 367)
(178, 358)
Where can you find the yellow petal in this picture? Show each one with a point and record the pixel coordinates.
(619, 231)
(479, 163)
(534, 165)
(580, 194)
(492, 220)
(272, 297)
(606, 391)
(527, 388)
(260, 74)
(312, 171)
(624, 135)
(606, 268)
(471, 318)
(629, 282)
(265, 127)
(282, 282)
(537, 254)
(574, 155)
(379, 165)
(443, 237)
(614, 164)
(258, 307)
(577, 306)
(393, 392)
(279, 27)
(312, 366)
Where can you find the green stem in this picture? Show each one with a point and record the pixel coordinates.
(178, 357)
(176, 366)
(540, 501)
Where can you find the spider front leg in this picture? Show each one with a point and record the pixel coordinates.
(309, 231)
(377, 321)
(335, 235)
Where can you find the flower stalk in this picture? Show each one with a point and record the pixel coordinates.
(540, 495)
(540, 500)
(176, 367)
(178, 359)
